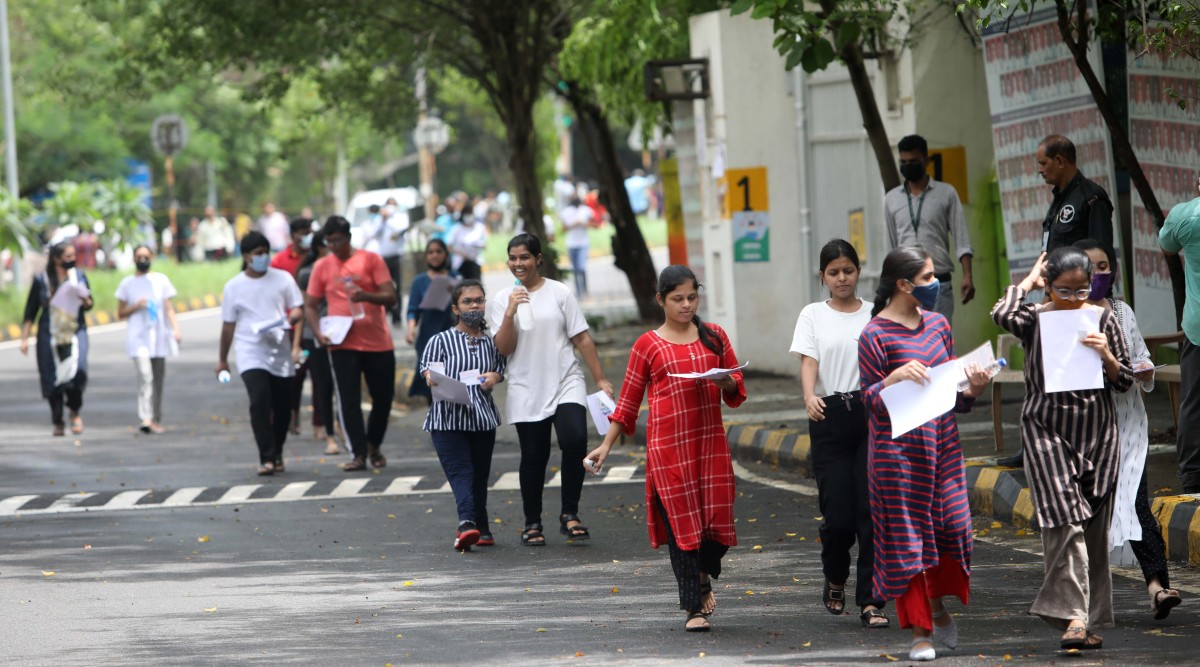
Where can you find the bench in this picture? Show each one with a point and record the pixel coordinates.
(1168, 374)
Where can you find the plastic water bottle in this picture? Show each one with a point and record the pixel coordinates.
(303, 358)
(524, 313)
(990, 370)
(356, 308)
(223, 377)
(152, 310)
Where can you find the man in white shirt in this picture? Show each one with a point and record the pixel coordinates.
(467, 240)
(576, 218)
(385, 237)
(275, 226)
(214, 235)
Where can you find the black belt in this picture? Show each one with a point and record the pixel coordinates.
(943, 277)
(845, 398)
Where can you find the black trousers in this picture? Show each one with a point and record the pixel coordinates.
(689, 565)
(1151, 550)
(569, 422)
(322, 385)
(270, 412)
(466, 458)
(1189, 417)
(393, 263)
(839, 459)
(378, 369)
(71, 394)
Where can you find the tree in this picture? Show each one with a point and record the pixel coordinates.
(120, 206)
(71, 204)
(16, 223)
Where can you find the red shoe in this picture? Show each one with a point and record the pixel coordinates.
(486, 540)
(467, 536)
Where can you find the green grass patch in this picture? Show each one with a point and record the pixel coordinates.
(654, 229)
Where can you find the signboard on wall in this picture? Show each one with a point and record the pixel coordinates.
(949, 165)
(1035, 90)
(857, 224)
(1166, 140)
(747, 205)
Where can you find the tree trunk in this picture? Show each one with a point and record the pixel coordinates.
(522, 161)
(1124, 150)
(629, 246)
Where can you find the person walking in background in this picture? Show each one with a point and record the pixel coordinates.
(86, 245)
(385, 237)
(299, 241)
(1180, 234)
(689, 472)
(1072, 445)
(1133, 522)
(62, 338)
(274, 225)
(356, 284)
(241, 227)
(546, 389)
(182, 239)
(152, 334)
(826, 345)
(427, 316)
(258, 306)
(919, 510)
(576, 219)
(925, 213)
(214, 235)
(466, 240)
(307, 356)
(465, 435)
(637, 186)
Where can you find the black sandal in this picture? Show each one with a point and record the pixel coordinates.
(1074, 639)
(579, 532)
(532, 536)
(1163, 606)
(706, 589)
(357, 464)
(869, 614)
(834, 595)
(696, 628)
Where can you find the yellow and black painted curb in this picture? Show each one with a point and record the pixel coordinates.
(1001, 493)
(97, 318)
(1179, 517)
(784, 447)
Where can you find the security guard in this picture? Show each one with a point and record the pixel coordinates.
(1081, 209)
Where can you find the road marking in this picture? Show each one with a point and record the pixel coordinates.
(348, 487)
(800, 488)
(67, 502)
(402, 486)
(294, 490)
(238, 494)
(509, 481)
(126, 499)
(183, 497)
(9, 506)
(620, 474)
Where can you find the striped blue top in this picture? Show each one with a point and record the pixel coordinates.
(460, 352)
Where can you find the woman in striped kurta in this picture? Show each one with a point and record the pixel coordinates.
(919, 509)
(1071, 451)
(465, 435)
(689, 473)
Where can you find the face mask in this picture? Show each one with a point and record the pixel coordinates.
(473, 319)
(389, 209)
(912, 172)
(927, 295)
(69, 265)
(306, 242)
(260, 263)
(1101, 283)
(142, 266)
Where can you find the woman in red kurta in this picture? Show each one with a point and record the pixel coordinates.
(689, 475)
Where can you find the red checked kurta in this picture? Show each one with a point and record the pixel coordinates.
(687, 456)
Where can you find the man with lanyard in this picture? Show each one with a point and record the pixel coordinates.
(923, 212)
(1081, 209)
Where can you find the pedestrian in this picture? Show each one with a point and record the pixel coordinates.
(258, 306)
(465, 435)
(356, 284)
(1081, 209)
(274, 225)
(576, 219)
(308, 357)
(466, 241)
(1072, 445)
(1132, 520)
(299, 242)
(546, 389)
(925, 213)
(918, 486)
(826, 344)
(62, 338)
(1181, 234)
(385, 236)
(86, 245)
(152, 333)
(214, 235)
(427, 316)
(689, 473)
(182, 239)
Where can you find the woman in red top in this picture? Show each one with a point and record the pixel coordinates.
(689, 475)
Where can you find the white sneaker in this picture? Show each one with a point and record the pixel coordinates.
(922, 654)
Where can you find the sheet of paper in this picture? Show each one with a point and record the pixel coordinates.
(437, 366)
(711, 374)
(437, 297)
(470, 377)
(981, 355)
(600, 406)
(280, 322)
(336, 327)
(446, 388)
(69, 297)
(910, 404)
(1068, 365)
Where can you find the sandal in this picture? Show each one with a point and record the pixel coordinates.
(532, 535)
(576, 532)
(58, 431)
(145, 428)
(267, 469)
(836, 596)
(1092, 642)
(1074, 638)
(357, 464)
(867, 616)
(705, 626)
(279, 465)
(76, 424)
(1163, 606)
(331, 447)
(377, 460)
(707, 608)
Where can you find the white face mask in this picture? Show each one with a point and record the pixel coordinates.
(390, 209)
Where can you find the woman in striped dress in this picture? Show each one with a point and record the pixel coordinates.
(918, 485)
(1071, 451)
(465, 435)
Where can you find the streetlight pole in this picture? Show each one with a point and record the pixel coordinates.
(10, 129)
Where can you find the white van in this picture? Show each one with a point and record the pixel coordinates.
(358, 213)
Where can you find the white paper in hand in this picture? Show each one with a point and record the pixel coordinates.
(446, 388)
(600, 406)
(710, 374)
(911, 405)
(335, 327)
(1068, 364)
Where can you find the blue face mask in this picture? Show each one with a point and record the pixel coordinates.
(927, 295)
(306, 242)
(260, 263)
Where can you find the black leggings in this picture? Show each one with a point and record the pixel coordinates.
(569, 422)
(322, 386)
(71, 394)
(270, 412)
(1150, 551)
(378, 369)
(689, 565)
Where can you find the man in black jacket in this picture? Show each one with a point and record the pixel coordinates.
(1081, 209)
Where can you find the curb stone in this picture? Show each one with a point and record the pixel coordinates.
(101, 317)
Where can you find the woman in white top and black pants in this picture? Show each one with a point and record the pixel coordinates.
(826, 343)
(545, 386)
(465, 435)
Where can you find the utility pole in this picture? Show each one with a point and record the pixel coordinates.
(426, 167)
(10, 129)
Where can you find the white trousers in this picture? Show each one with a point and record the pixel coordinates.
(151, 372)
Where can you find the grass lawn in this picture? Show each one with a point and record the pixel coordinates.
(655, 231)
(191, 280)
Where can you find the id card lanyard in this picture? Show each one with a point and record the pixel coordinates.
(916, 219)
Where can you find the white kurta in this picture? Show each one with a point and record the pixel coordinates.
(1133, 426)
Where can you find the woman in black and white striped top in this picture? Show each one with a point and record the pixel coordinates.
(465, 435)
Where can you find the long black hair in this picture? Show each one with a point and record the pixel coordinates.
(902, 263)
(668, 281)
(445, 251)
(56, 252)
(1066, 259)
(836, 249)
(1092, 244)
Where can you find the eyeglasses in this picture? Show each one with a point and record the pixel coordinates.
(473, 302)
(332, 241)
(1072, 295)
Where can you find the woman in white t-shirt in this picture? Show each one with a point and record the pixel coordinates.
(546, 389)
(258, 306)
(826, 344)
(152, 334)
(576, 218)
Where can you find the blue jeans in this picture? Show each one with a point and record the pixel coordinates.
(579, 258)
(466, 458)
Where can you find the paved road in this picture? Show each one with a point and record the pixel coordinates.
(183, 556)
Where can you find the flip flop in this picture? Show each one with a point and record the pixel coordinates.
(1163, 606)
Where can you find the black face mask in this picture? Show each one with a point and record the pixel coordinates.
(912, 172)
(142, 266)
(69, 265)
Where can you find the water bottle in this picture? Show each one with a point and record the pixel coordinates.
(223, 377)
(356, 308)
(303, 359)
(991, 370)
(152, 310)
(524, 313)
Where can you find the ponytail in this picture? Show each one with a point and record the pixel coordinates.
(707, 338)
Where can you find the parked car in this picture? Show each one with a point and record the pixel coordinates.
(409, 202)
